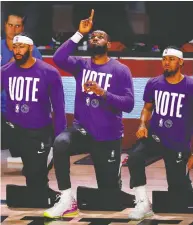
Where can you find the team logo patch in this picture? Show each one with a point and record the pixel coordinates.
(155, 137)
(168, 123)
(25, 108)
(87, 101)
(95, 103)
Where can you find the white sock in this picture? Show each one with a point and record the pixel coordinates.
(141, 193)
(66, 193)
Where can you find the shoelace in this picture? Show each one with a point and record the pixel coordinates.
(72, 204)
(138, 203)
(57, 197)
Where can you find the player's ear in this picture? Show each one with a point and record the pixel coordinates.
(31, 47)
(108, 45)
(181, 62)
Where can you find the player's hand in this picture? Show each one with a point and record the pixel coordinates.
(190, 162)
(142, 132)
(92, 86)
(86, 25)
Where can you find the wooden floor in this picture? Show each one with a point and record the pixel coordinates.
(84, 176)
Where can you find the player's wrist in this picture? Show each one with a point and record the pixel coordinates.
(103, 93)
(82, 33)
(77, 37)
(142, 125)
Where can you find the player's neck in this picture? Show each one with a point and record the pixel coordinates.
(100, 59)
(176, 78)
(30, 62)
(9, 43)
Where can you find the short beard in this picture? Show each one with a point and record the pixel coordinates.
(98, 50)
(24, 58)
(170, 73)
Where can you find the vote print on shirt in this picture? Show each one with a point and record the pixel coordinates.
(23, 89)
(102, 79)
(168, 104)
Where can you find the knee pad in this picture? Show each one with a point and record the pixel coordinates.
(172, 202)
(25, 197)
(103, 199)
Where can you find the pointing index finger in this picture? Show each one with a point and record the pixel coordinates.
(92, 14)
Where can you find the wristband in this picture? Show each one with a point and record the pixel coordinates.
(76, 37)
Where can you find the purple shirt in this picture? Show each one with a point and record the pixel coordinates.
(172, 119)
(31, 93)
(102, 118)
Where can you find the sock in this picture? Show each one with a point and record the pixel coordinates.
(66, 193)
(141, 193)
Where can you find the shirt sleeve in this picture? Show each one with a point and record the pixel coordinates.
(148, 95)
(36, 53)
(125, 100)
(2, 80)
(63, 59)
(58, 102)
(2, 74)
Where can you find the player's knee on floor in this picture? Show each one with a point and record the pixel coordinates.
(62, 141)
(180, 188)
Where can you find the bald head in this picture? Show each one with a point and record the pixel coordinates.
(101, 32)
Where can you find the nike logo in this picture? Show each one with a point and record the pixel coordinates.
(178, 161)
(82, 131)
(111, 160)
(10, 124)
(40, 152)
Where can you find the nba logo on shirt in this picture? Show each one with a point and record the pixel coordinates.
(161, 123)
(16, 39)
(87, 101)
(17, 108)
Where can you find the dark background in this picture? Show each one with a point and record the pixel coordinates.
(160, 23)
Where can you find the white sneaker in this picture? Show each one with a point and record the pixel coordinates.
(66, 207)
(142, 209)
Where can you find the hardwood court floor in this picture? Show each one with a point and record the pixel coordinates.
(84, 176)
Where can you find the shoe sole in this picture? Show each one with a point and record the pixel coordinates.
(47, 215)
(145, 216)
(71, 214)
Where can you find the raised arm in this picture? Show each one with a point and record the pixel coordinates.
(62, 56)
